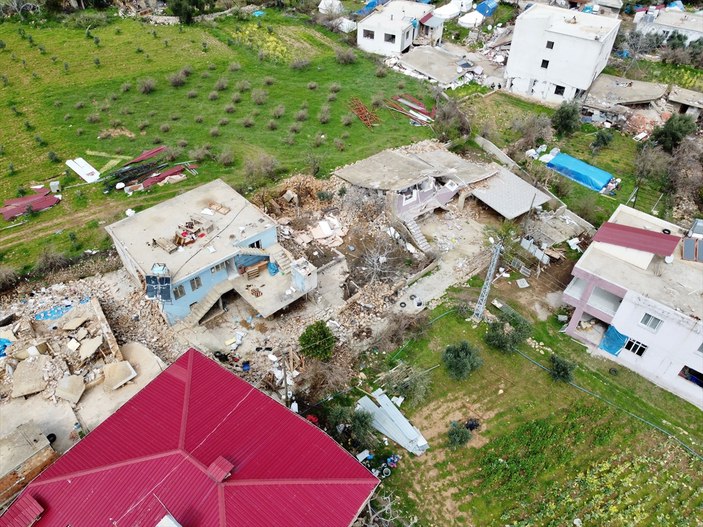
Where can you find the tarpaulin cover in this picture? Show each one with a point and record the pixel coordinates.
(613, 341)
(487, 8)
(581, 172)
(370, 7)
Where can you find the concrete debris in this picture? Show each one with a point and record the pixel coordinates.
(70, 388)
(74, 323)
(89, 347)
(29, 377)
(117, 374)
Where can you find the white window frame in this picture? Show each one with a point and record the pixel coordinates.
(179, 291)
(196, 283)
(636, 347)
(651, 322)
(219, 267)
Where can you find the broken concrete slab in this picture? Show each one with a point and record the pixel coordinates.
(117, 374)
(90, 346)
(29, 376)
(81, 334)
(73, 345)
(74, 323)
(70, 388)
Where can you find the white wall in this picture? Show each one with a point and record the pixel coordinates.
(666, 30)
(403, 30)
(673, 346)
(574, 62)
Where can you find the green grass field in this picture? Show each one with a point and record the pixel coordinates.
(681, 75)
(63, 91)
(547, 453)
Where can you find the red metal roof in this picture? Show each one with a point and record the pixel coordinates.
(23, 513)
(634, 238)
(147, 154)
(40, 200)
(155, 456)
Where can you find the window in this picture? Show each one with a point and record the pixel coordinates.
(407, 34)
(651, 322)
(545, 64)
(369, 34)
(692, 375)
(559, 90)
(195, 283)
(550, 44)
(219, 267)
(256, 244)
(700, 348)
(635, 347)
(179, 292)
(389, 38)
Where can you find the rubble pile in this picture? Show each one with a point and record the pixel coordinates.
(539, 346)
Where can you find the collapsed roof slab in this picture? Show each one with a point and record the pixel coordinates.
(681, 95)
(70, 388)
(509, 195)
(387, 170)
(28, 377)
(609, 90)
(435, 63)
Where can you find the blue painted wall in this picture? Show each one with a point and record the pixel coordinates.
(179, 309)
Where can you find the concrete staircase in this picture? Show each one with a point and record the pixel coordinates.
(252, 251)
(281, 258)
(199, 310)
(418, 237)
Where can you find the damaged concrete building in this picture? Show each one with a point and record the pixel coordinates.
(417, 183)
(192, 249)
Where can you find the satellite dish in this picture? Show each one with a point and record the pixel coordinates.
(669, 259)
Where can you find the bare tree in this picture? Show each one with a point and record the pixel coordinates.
(380, 511)
(379, 258)
(18, 7)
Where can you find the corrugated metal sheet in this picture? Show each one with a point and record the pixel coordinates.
(23, 513)
(147, 154)
(151, 458)
(653, 242)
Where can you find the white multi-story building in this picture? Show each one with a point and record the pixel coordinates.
(391, 29)
(664, 22)
(637, 293)
(556, 54)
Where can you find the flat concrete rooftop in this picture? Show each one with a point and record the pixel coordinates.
(573, 23)
(678, 285)
(609, 90)
(393, 170)
(688, 97)
(433, 62)
(137, 234)
(680, 20)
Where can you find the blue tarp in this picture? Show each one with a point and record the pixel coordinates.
(487, 7)
(4, 344)
(369, 7)
(613, 341)
(583, 173)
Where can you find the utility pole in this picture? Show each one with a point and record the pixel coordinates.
(483, 297)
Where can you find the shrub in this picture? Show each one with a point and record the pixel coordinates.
(323, 195)
(381, 72)
(236, 97)
(339, 144)
(67, 117)
(215, 131)
(603, 138)
(53, 157)
(51, 261)
(8, 278)
(79, 131)
(312, 85)
(345, 56)
(186, 71)
(331, 97)
(198, 118)
(324, 115)
(562, 369)
(243, 86)
(262, 166)
(146, 86)
(561, 187)
(177, 79)
(347, 119)
(461, 359)
(171, 154)
(259, 96)
(248, 122)
(401, 85)
(272, 125)
(508, 332)
(278, 111)
(301, 115)
(234, 66)
(205, 75)
(223, 122)
(289, 139)
(182, 143)
(269, 81)
(126, 111)
(192, 94)
(165, 127)
(377, 100)
(295, 128)
(458, 436)
(317, 341)
(567, 118)
(213, 96)
(175, 117)
(450, 121)
(221, 84)
(226, 158)
(143, 125)
(318, 139)
(200, 154)
(79, 105)
(93, 118)
(674, 130)
(157, 140)
(300, 64)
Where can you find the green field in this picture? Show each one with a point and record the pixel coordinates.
(546, 453)
(64, 90)
(645, 70)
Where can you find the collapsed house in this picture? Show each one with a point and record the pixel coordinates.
(686, 102)
(199, 446)
(665, 22)
(416, 184)
(637, 298)
(190, 250)
(556, 53)
(394, 27)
